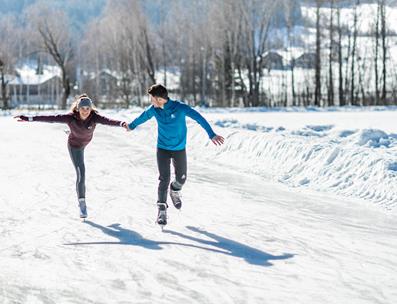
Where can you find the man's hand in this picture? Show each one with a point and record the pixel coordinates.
(218, 140)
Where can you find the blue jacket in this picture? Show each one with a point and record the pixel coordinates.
(171, 124)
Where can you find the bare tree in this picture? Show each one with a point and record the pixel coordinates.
(289, 16)
(376, 56)
(225, 19)
(353, 54)
(384, 47)
(193, 53)
(331, 52)
(163, 38)
(53, 36)
(233, 41)
(8, 39)
(317, 94)
(257, 16)
(147, 51)
(218, 47)
(340, 58)
(126, 47)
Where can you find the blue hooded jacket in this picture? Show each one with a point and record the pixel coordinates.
(171, 124)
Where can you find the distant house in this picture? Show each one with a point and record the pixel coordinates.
(29, 88)
(305, 61)
(273, 61)
(102, 86)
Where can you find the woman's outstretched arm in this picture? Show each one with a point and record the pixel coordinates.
(59, 118)
(110, 122)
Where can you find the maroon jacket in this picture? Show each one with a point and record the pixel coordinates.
(81, 131)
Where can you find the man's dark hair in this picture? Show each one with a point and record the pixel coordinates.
(158, 90)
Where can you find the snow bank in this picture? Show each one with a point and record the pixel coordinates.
(358, 163)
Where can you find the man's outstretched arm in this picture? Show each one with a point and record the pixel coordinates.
(145, 116)
(193, 114)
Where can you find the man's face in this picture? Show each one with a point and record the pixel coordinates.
(157, 102)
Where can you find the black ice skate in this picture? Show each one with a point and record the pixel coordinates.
(162, 215)
(176, 198)
(83, 208)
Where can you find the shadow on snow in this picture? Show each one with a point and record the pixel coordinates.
(221, 244)
(233, 248)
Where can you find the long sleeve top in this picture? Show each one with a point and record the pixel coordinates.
(81, 131)
(171, 124)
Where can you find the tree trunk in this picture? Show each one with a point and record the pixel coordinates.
(347, 80)
(317, 96)
(294, 103)
(165, 65)
(251, 84)
(4, 96)
(352, 86)
(203, 76)
(340, 61)
(361, 82)
(377, 93)
(233, 96)
(243, 86)
(331, 38)
(255, 97)
(149, 57)
(193, 78)
(384, 49)
(65, 89)
(224, 100)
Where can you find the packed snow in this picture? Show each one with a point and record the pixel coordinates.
(351, 152)
(298, 206)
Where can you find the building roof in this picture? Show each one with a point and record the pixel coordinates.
(26, 75)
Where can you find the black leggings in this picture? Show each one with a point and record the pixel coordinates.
(77, 156)
(164, 162)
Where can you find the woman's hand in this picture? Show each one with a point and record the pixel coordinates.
(218, 140)
(125, 126)
(23, 118)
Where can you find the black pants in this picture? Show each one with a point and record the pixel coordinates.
(179, 162)
(77, 156)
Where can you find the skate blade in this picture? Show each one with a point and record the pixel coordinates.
(161, 225)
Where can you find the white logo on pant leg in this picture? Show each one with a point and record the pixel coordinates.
(183, 176)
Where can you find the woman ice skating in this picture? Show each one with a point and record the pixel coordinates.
(171, 142)
(82, 121)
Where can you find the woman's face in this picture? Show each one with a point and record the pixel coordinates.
(84, 112)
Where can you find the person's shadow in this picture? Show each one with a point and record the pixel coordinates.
(130, 237)
(125, 236)
(233, 248)
(222, 245)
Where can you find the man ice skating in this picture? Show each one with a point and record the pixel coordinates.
(171, 143)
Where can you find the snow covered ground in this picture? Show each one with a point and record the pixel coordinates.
(296, 207)
(351, 152)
